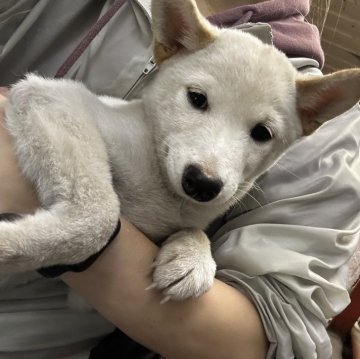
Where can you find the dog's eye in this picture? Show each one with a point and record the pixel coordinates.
(261, 133)
(197, 99)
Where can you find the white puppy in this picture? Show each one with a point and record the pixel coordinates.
(220, 111)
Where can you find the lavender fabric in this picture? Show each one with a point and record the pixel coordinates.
(291, 33)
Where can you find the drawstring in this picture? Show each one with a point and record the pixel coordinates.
(89, 37)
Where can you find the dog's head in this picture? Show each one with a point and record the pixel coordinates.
(225, 105)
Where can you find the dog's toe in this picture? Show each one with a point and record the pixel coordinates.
(182, 271)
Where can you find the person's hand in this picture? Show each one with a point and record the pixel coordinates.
(16, 193)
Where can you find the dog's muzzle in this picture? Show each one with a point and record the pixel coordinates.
(198, 186)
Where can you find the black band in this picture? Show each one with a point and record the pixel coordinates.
(9, 217)
(57, 270)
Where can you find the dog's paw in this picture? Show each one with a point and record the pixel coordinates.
(184, 267)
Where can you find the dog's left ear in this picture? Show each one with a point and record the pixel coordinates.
(323, 98)
(178, 24)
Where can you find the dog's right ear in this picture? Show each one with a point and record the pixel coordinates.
(178, 24)
(322, 98)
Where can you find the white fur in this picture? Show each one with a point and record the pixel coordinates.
(86, 154)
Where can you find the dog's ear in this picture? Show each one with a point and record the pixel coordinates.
(178, 24)
(323, 98)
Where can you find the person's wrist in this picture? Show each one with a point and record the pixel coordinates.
(57, 270)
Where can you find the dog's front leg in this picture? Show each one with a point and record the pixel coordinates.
(64, 234)
(63, 155)
(184, 267)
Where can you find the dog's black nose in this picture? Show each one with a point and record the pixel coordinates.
(198, 186)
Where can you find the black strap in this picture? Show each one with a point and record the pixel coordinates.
(9, 217)
(57, 270)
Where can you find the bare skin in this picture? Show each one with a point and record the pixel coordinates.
(222, 323)
(17, 195)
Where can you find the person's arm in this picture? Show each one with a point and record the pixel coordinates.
(221, 324)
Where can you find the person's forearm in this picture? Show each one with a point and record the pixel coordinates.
(223, 323)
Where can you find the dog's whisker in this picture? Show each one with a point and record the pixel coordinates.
(167, 144)
(257, 188)
(245, 193)
(259, 203)
(238, 202)
(287, 170)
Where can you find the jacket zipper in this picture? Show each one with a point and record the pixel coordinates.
(149, 68)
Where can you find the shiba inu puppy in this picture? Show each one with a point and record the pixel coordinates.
(222, 108)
